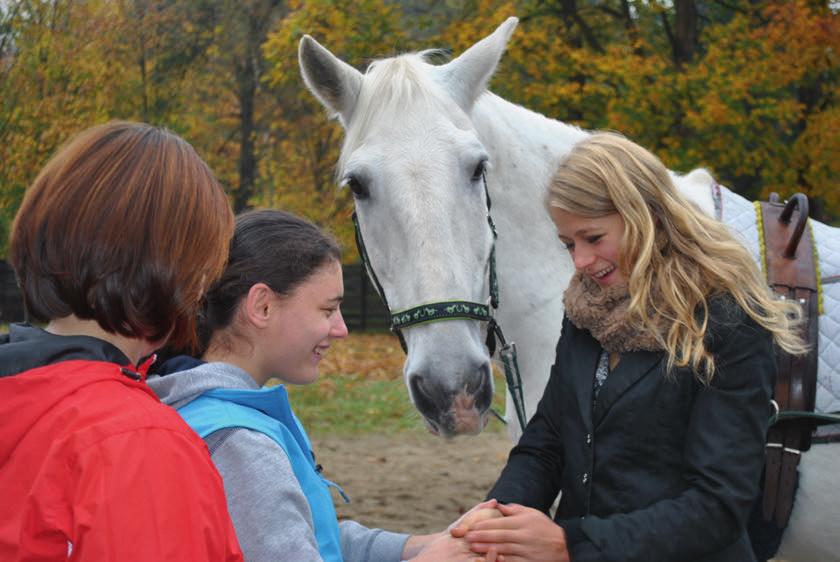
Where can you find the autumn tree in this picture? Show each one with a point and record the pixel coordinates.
(746, 89)
(238, 60)
(303, 145)
(764, 109)
(165, 44)
(55, 80)
(69, 65)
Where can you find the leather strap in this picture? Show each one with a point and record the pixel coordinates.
(791, 273)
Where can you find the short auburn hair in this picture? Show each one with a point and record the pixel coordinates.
(125, 225)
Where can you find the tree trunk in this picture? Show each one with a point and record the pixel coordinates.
(685, 32)
(247, 157)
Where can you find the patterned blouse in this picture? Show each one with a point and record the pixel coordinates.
(601, 373)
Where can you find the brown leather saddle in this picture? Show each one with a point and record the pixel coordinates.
(791, 272)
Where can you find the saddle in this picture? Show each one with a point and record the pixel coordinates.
(792, 274)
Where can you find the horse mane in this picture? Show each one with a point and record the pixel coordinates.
(391, 86)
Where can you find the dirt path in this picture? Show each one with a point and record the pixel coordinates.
(411, 482)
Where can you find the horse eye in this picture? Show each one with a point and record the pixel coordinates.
(359, 189)
(479, 170)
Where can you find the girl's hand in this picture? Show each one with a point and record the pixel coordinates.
(415, 544)
(449, 549)
(523, 534)
(484, 510)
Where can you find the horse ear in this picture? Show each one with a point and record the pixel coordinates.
(335, 83)
(467, 76)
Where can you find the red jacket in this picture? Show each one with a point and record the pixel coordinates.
(93, 467)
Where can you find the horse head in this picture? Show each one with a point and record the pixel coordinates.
(415, 166)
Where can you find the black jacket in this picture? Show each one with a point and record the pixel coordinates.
(664, 468)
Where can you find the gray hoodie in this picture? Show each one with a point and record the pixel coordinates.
(269, 511)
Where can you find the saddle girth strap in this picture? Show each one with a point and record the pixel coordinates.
(790, 267)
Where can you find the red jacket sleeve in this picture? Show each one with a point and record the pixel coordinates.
(150, 494)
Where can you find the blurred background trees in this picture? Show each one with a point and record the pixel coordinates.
(746, 88)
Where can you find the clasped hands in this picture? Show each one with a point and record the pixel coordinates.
(494, 532)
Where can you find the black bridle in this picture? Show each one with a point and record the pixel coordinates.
(459, 310)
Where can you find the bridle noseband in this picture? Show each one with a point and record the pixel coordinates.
(458, 310)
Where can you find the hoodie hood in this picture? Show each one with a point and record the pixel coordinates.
(38, 370)
(26, 347)
(175, 365)
(179, 389)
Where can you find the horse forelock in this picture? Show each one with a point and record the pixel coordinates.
(395, 91)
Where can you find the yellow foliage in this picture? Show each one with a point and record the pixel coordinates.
(297, 173)
(757, 104)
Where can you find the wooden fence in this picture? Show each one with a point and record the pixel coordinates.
(11, 304)
(362, 308)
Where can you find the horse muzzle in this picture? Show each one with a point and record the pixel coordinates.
(449, 410)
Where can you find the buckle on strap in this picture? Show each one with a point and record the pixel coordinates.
(507, 353)
(788, 450)
(774, 417)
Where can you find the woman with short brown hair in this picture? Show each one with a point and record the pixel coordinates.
(113, 246)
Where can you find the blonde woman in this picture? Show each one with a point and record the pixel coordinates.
(653, 422)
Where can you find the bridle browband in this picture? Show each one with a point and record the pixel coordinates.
(458, 310)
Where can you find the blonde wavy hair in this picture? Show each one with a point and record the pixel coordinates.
(674, 256)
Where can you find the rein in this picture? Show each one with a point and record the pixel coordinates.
(458, 310)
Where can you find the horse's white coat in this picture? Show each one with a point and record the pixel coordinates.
(814, 529)
(533, 266)
(414, 131)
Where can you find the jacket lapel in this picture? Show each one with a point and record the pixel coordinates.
(586, 352)
(631, 368)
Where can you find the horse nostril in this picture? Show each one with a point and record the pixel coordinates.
(475, 383)
(423, 399)
(479, 387)
(484, 390)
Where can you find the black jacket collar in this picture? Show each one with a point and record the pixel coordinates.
(26, 347)
(632, 367)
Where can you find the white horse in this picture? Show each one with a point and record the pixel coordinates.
(419, 138)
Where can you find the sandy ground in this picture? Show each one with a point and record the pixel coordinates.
(411, 482)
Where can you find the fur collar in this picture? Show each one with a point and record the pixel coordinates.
(603, 311)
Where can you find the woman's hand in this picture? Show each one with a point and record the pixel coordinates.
(484, 510)
(416, 543)
(450, 549)
(522, 535)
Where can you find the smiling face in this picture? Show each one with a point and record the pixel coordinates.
(303, 325)
(593, 242)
